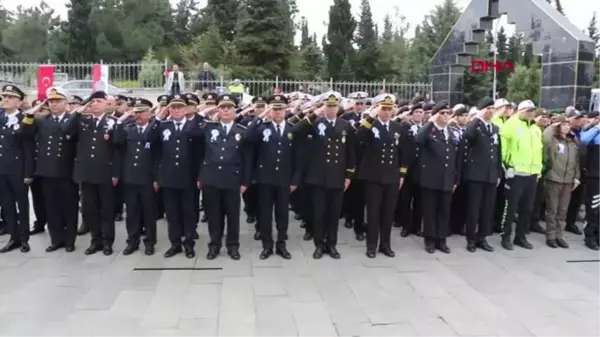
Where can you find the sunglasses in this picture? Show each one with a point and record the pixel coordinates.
(443, 112)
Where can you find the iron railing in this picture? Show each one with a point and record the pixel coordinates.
(151, 77)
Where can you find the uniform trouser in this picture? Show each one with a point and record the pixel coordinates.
(197, 206)
(354, 205)
(160, 205)
(381, 204)
(251, 203)
(294, 202)
(436, 213)
(574, 204)
(592, 203)
(141, 213)
(557, 196)
(273, 198)
(499, 205)
(481, 199)
(221, 204)
(409, 213)
(458, 210)
(60, 196)
(327, 205)
(98, 212)
(305, 207)
(179, 206)
(14, 199)
(520, 194)
(539, 204)
(119, 198)
(39, 204)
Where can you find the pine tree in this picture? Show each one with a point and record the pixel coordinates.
(388, 33)
(312, 59)
(340, 35)
(593, 30)
(183, 16)
(515, 49)
(559, 7)
(305, 35)
(502, 55)
(223, 14)
(80, 41)
(368, 48)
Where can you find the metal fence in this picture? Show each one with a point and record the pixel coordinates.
(151, 77)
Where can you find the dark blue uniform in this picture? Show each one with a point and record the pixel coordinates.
(409, 213)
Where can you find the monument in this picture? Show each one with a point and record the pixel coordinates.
(567, 54)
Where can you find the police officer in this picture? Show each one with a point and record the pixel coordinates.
(209, 100)
(250, 197)
(177, 172)
(56, 154)
(160, 205)
(16, 170)
(481, 172)
(224, 174)
(97, 169)
(192, 116)
(139, 173)
(74, 103)
(272, 141)
(408, 211)
(354, 197)
(329, 171)
(439, 176)
(458, 208)
(380, 168)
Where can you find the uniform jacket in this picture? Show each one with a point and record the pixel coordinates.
(410, 149)
(16, 149)
(274, 158)
(439, 164)
(97, 160)
(381, 161)
(55, 150)
(140, 162)
(177, 151)
(332, 153)
(481, 152)
(226, 162)
(561, 158)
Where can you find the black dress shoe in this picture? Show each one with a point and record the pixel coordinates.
(430, 247)
(69, 249)
(537, 228)
(174, 250)
(283, 252)
(371, 253)
(189, 252)
(204, 218)
(506, 244)
(333, 253)
(212, 253)
(303, 224)
(93, 249)
(149, 250)
(256, 236)
(250, 219)
(318, 253)
(523, 243)
(573, 229)
(195, 235)
(53, 248)
(307, 236)
(130, 249)
(119, 217)
(419, 233)
(441, 246)
(234, 254)
(562, 243)
(265, 254)
(590, 243)
(484, 245)
(360, 237)
(297, 217)
(10, 246)
(25, 247)
(404, 233)
(387, 252)
(107, 250)
(348, 224)
(551, 243)
(83, 230)
(37, 230)
(397, 224)
(471, 247)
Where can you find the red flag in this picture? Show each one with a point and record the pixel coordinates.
(45, 79)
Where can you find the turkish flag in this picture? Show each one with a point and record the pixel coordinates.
(45, 80)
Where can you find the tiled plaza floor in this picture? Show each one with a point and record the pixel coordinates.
(518, 293)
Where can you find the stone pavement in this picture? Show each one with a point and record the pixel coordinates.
(518, 293)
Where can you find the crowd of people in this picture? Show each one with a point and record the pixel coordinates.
(377, 163)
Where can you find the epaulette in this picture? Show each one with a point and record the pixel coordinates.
(210, 121)
(241, 126)
(166, 121)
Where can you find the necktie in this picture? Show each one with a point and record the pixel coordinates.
(178, 126)
(96, 121)
(225, 130)
(55, 119)
(386, 127)
(331, 124)
(278, 128)
(140, 130)
(489, 128)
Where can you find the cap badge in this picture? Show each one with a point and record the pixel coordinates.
(226, 97)
(277, 98)
(387, 100)
(332, 99)
(138, 102)
(9, 87)
(177, 96)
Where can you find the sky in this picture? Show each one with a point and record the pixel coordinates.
(579, 12)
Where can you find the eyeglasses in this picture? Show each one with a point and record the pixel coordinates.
(443, 112)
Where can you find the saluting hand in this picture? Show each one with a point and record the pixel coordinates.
(346, 184)
(293, 188)
(115, 181)
(374, 112)
(155, 185)
(243, 189)
(27, 181)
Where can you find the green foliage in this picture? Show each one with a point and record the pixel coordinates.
(151, 72)
(340, 35)
(559, 7)
(478, 85)
(524, 84)
(369, 53)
